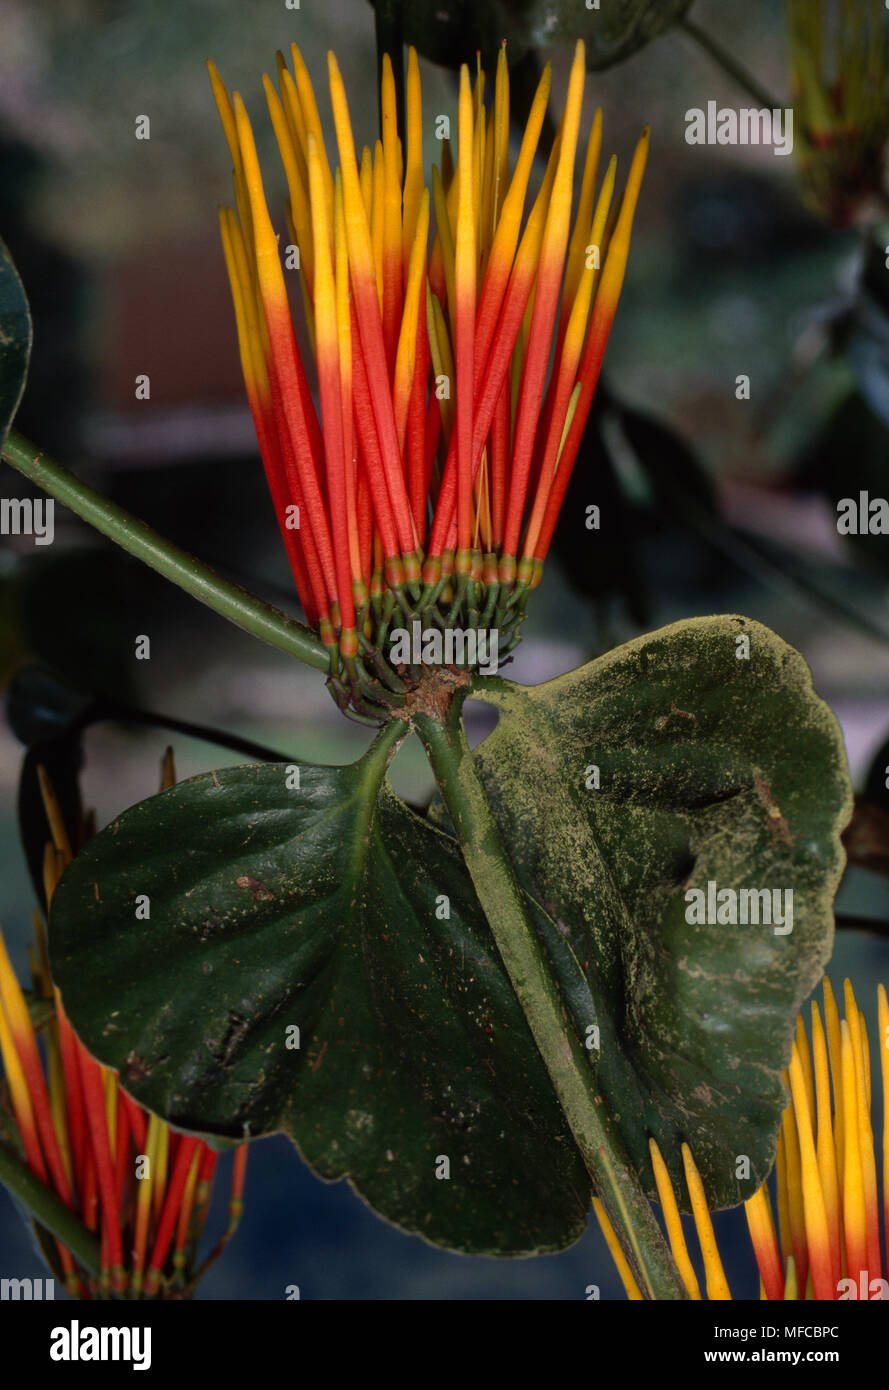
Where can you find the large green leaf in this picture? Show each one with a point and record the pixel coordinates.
(712, 768)
(272, 907)
(318, 907)
(450, 34)
(15, 341)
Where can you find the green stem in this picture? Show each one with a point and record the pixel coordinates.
(526, 964)
(243, 609)
(45, 1207)
(736, 71)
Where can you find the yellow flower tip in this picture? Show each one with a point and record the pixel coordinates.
(673, 1222)
(717, 1285)
(626, 1275)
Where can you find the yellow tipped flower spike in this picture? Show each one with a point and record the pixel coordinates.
(825, 1177)
(85, 1138)
(422, 488)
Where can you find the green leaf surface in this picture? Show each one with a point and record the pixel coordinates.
(15, 341)
(319, 907)
(712, 769)
(450, 34)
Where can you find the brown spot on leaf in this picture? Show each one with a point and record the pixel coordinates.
(136, 1069)
(238, 1027)
(778, 827)
(258, 889)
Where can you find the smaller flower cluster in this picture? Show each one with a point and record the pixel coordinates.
(826, 1183)
(826, 1243)
(840, 61)
(457, 335)
(140, 1186)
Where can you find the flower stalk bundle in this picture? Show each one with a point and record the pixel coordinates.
(140, 1186)
(840, 67)
(429, 483)
(826, 1243)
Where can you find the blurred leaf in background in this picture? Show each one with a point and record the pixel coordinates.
(866, 331)
(848, 457)
(450, 34)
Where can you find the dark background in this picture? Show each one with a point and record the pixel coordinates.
(720, 506)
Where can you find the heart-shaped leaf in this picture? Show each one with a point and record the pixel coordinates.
(15, 341)
(324, 907)
(695, 756)
(332, 908)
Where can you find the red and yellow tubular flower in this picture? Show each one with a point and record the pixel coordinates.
(826, 1242)
(142, 1188)
(458, 332)
(840, 67)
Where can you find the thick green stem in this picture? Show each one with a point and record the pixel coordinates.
(45, 1207)
(243, 609)
(524, 958)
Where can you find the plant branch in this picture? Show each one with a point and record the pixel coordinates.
(243, 609)
(523, 956)
(48, 1210)
(729, 64)
(113, 712)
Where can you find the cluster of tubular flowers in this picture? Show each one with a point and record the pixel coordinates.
(458, 334)
(840, 69)
(143, 1189)
(826, 1244)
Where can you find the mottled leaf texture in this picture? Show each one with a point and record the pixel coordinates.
(15, 341)
(713, 768)
(451, 33)
(318, 908)
(321, 908)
